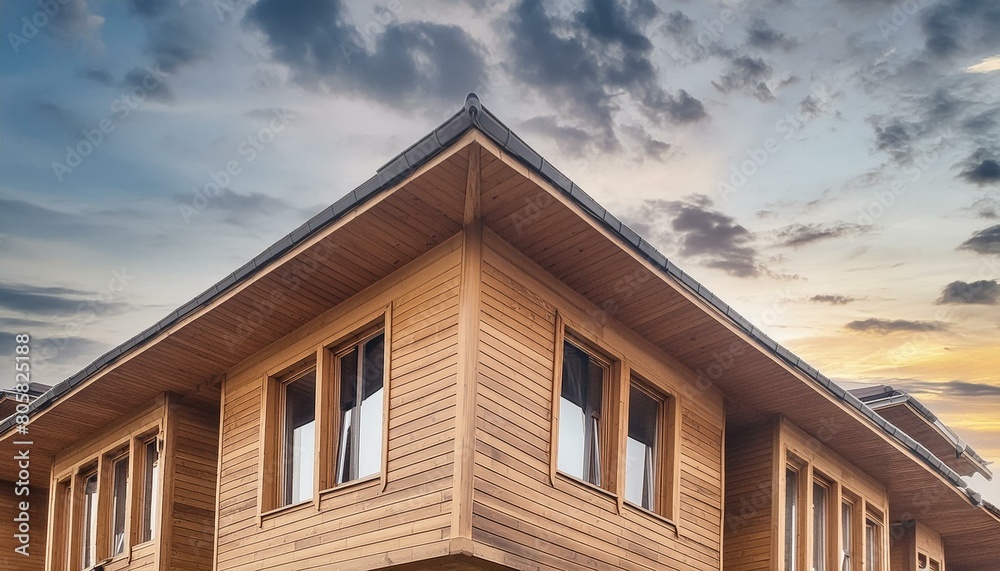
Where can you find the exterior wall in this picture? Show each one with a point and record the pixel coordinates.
(750, 502)
(406, 514)
(913, 544)
(38, 504)
(846, 481)
(186, 496)
(527, 516)
(195, 438)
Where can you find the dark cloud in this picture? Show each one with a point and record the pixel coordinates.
(652, 148)
(888, 326)
(571, 140)
(986, 208)
(833, 299)
(747, 75)
(893, 137)
(951, 388)
(798, 235)
(761, 35)
(682, 108)
(177, 35)
(100, 76)
(74, 21)
(400, 64)
(247, 210)
(678, 24)
(35, 300)
(986, 241)
(982, 292)
(705, 235)
(591, 61)
(982, 168)
(952, 26)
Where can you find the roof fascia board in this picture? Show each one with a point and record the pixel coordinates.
(370, 200)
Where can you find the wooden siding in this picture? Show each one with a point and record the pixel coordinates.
(192, 488)
(38, 499)
(521, 516)
(749, 528)
(360, 525)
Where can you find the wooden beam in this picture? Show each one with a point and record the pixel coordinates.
(468, 351)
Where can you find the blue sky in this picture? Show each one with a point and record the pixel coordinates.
(829, 168)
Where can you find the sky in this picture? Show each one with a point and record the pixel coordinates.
(829, 168)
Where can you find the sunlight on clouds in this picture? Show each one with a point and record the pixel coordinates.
(987, 65)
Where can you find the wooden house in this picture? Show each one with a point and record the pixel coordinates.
(467, 363)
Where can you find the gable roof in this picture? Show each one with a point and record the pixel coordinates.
(518, 157)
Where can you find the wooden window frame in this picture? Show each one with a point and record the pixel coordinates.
(80, 523)
(611, 411)
(831, 556)
(142, 495)
(664, 449)
(124, 453)
(802, 512)
(323, 359)
(336, 352)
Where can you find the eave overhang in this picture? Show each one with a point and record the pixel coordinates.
(581, 244)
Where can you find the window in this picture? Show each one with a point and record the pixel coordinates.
(846, 536)
(873, 545)
(119, 500)
(88, 538)
(298, 437)
(645, 449)
(150, 486)
(580, 413)
(360, 369)
(820, 531)
(791, 518)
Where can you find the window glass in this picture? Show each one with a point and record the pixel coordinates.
(362, 377)
(150, 485)
(89, 536)
(640, 453)
(873, 546)
(791, 519)
(819, 526)
(846, 535)
(299, 438)
(119, 500)
(580, 414)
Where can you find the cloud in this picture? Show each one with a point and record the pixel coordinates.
(246, 210)
(34, 300)
(397, 64)
(893, 137)
(952, 26)
(177, 35)
(74, 21)
(652, 148)
(949, 388)
(703, 234)
(682, 108)
(592, 62)
(982, 292)
(982, 168)
(747, 75)
(986, 241)
(833, 299)
(797, 235)
(761, 35)
(571, 140)
(887, 326)
(100, 76)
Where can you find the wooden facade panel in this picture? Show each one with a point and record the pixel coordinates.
(195, 466)
(524, 518)
(37, 498)
(364, 524)
(749, 467)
